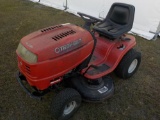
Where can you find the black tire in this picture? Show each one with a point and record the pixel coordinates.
(124, 69)
(66, 98)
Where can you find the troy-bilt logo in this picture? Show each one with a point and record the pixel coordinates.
(69, 46)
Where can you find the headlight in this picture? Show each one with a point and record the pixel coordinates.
(26, 54)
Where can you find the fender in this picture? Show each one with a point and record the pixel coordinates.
(111, 55)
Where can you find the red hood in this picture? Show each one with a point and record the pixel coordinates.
(54, 41)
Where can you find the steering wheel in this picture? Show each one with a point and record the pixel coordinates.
(88, 18)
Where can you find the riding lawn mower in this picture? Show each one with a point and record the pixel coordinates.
(81, 57)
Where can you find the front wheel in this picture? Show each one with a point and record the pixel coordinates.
(65, 104)
(129, 64)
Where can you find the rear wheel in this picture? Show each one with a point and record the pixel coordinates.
(129, 64)
(65, 104)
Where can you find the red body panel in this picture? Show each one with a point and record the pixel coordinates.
(55, 57)
(107, 52)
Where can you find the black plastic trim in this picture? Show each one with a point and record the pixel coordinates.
(21, 78)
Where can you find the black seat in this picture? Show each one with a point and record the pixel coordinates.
(118, 21)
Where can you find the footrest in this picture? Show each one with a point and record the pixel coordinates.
(98, 70)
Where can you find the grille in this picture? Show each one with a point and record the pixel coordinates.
(64, 34)
(51, 28)
(28, 69)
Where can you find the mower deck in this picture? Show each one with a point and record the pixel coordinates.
(93, 91)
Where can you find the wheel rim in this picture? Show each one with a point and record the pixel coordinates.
(133, 66)
(69, 107)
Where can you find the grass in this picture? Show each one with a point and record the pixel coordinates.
(137, 98)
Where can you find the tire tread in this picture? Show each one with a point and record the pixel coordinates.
(121, 70)
(60, 99)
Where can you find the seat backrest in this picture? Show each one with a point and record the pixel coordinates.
(118, 21)
(121, 14)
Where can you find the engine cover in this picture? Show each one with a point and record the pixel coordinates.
(59, 49)
(55, 41)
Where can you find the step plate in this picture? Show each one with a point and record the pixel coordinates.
(101, 68)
